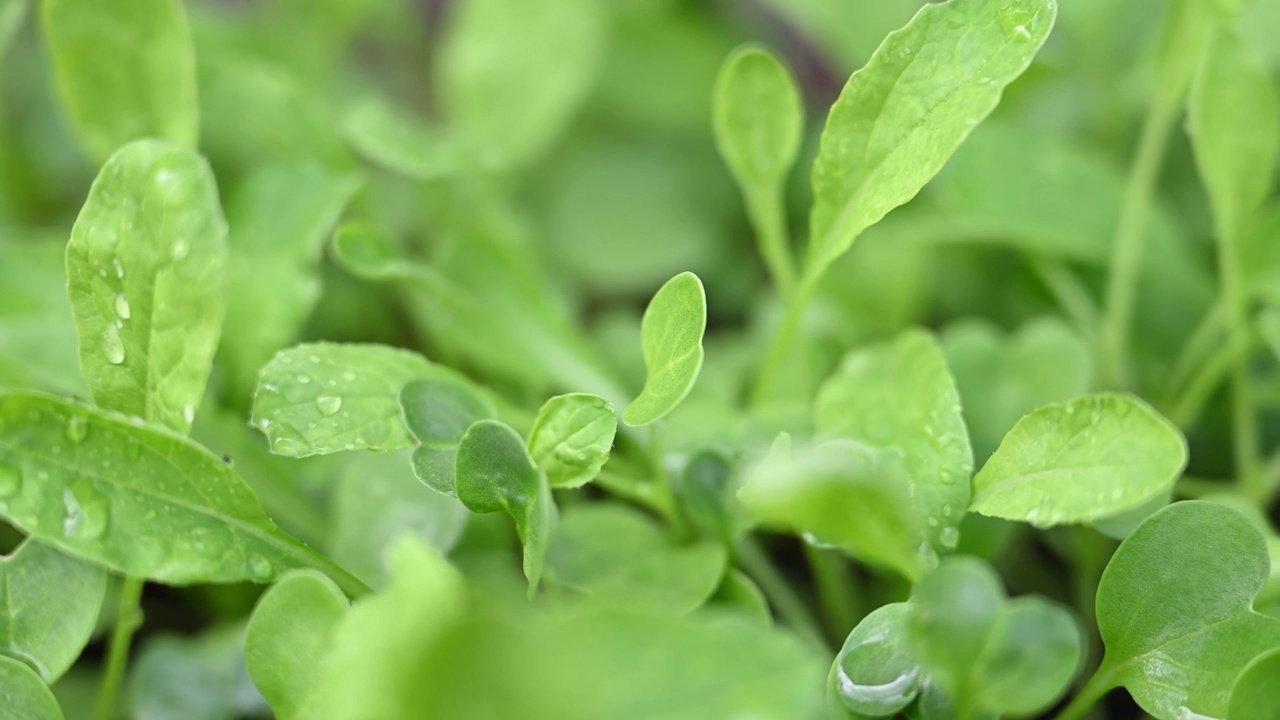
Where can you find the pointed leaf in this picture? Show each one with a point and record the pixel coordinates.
(145, 273)
(671, 337)
(572, 437)
(437, 412)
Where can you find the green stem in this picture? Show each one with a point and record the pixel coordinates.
(1091, 553)
(638, 491)
(1188, 406)
(1244, 417)
(1203, 340)
(1070, 294)
(779, 591)
(1093, 691)
(784, 340)
(128, 619)
(836, 589)
(353, 586)
(1193, 488)
(662, 485)
(770, 224)
(1180, 50)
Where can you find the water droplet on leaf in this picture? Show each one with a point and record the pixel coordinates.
(77, 428)
(122, 307)
(87, 510)
(115, 263)
(949, 537)
(260, 568)
(112, 347)
(329, 404)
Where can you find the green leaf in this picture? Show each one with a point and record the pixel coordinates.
(321, 398)
(125, 70)
(495, 472)
(392, 139)
(671, 337)
(289, 633)
(50, 604)
(1256, 693)
(876, 673)
(1031, 657)
(899, 396)
(903, 114)
(280, 217)
(37, 334)
(145, 273)
(846, 494)
(1086, 459)
(572, 437)
(758, 119)
(1174, 609)
(376, 502)
(437, 412)
(953, 612)
(620, 558)
(140, 499)
(378, 645)
(1234, 122)
(177, 677)
(705, 497)
(504, 54)
(26, 695)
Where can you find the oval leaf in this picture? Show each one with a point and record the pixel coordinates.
(140, 499)
(437, 412)
(903, 114)
(145, 273)
(572, 438)
(26, 697)
(876, 674)
(1256, 694)
(320, 398)
(125, 70)
(1085, 459)
(671, 337)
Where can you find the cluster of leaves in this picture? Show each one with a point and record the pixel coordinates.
(635, 479)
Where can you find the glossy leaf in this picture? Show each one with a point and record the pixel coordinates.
(1174, 609)
(620, 559)
(280, 218)
(1031, 658)
(903, 114)
(50, 603)
(899, 396)
(140, 499)
(320, 398)
(501, 54)
(437, 412)
(25, 694)
(572, 437)
(148, 89)
(876, 674)
(1256, 693)
(954, 610)
(495, 472)
(1234, 122)
(289, 634)
(671, 337)
(1088, 458)
(145, 274)
(846, 494)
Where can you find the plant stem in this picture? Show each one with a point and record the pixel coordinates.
(1203, 339)
(662, 485)
(784, 340)
(1244, 418)
(128, 619)
(1185, 411)
(1093, 691)
(836, 589)
(778, 590)
(1179, 52)
(770, 224)
(1070, 293)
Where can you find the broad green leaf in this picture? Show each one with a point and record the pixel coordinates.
(705, 496)
(177, 677)
(1031, 658)
(289, 634)
(903, 114)
(376, 502)
(37, 334)
(437, 411)
(125, 70)
(1086, 459)
(572, 437)
(138, 498)
(1256, 693)
(390, 138)
(954, 610)
(377, 647)
(1119, 526)
(671, 337)
(620, 558)
(846, 494)
(320, 398)
(1174, 609)
(145, 274)
(503, 54)
(876, 674)
(495, 472)
(26, 697)
(1002, 378)
(50, 604)
(280, 217)
(899, 396)
(1234, 122)
(758, 119)
(367, 251)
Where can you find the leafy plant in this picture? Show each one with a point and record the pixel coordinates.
(471, 396)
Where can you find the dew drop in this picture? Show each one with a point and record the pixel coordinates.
(949, 537)
(122, 307)
(87, 511)
(348, 376)
(10, 480)
(933, 522)
(180, 248)
(115, 263)
(260, 568)
(188, 413)
(112, 347)
(304, 380)
(877, 700)
(77, 428)
(329, 404)
(315, 359)
(1117, 493)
